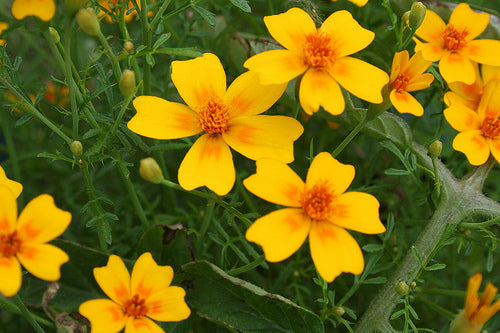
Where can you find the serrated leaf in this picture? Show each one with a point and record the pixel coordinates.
(163, 38)
(242, 4)
(205, 14)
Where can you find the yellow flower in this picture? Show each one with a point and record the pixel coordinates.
(24, 240)
(135, 299)
(479, 130)
(3, 26)
(43, 9)
(15, 187)
(406, 75)
(112, 6)
(359, 3)
(319, 209)
(322, 56)
(228, 118)
(453, 46)
(477, 311)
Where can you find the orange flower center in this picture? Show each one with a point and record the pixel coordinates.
(214, 116)
(491, 127)
(318, 52)
(317, 201)
(9, 245)
(400, 82)
(135, 307)
(454, 40)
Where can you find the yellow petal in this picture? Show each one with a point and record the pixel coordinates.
(14, 186)
(359, 3)
(276, 66)
(148, 278)
(290, 28)
(43, 260)
(160, 119)
(8, 211)
(142, 325)
(461, 118)
(10, 271)
(455, 66)
(357, 211)
(484, 51)
(318, 88)
(464, 18)
(41, 221)
(405, 103)
(490, 73)
(168, 305)
(43, 9)
(198, 79)
(417, 65)
(430, 51)
(105, 316)
(276, 182)
(264, 136)
(486, 312)
(360, 78)
(489, 107)
(114, 279)
(208, 163)
(348, 36)
(334, 251)
(326, 168)
(280, 233)
(450, 98)
(495, 148)
(471, 299)
(474, 145)
(431, 27)
(247, 96)
(399, 63)
(420, 82)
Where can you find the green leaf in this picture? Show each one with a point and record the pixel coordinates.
(205, 14)
(397, 314)
(376, 280)
(373, 247)
(55, 157)
(435, 267)
(163, 38)
(242, 4)
(241, 306)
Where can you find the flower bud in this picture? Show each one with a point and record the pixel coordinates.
(413, 286)
(339, 311)
(73, 5)
(76, 148)
(406, 18)
(150, 170)
(402, 288)
(87, 20)
(417, 15)
(435, 149)
(127, 83)
(128, 46)
(55, 35)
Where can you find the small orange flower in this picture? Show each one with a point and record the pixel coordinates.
(319, 209)
(453, 44)
(14, 186)
(3, 26)
(24, 240)
(117, 7)
(406, 75)
(43, 9)
(135, 299)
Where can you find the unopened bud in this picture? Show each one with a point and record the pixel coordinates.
(435, 149)
(76, 148)
(417, 15)
(402, 288)
(128, 46)
(413, 285)
(406, 18)
(150, 170)
(55, 35)
(87, 20)
(339, 311)
(127, 83)
(73, 5)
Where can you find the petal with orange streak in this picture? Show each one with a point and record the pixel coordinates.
(290, 28)
(431, 28)
(43, 260)
(10, 271)
(334, 251)
(199, 79)
(454, 66)
(105, 316)
(325, 168)
(495, 148)
(43, 9)
(405, 103)
(280, 233)
(490, 73)
(148, 278)
(169, 305)
(420, 82)
(142, 325)
(8, 210)
(474, 145)
(399, 64)
(484, 51)
(276, 182)
(417, 64)
(264, 136)
(461, 118)
(208, 163)
(160, 119)
(318, 88)
(430, 51)
(464, 18)
(489, 107)
(114, 279)
(14, 186)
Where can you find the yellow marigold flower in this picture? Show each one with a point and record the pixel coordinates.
(319, 209)
(453, 44)
(359, 3)
(117, 7)
(3, 26)
(23, 240)
(14, 186)
(322, 56)
(43, 9)
(229, 118)
(479, 130)
(406, 75)
(135, 299)
(477, 311)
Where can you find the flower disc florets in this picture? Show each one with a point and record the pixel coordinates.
(454, 39)
(491, 127)
(317, 201)
(214, 116)
(9, 245)
(317, 50)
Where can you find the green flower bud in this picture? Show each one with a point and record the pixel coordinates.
(402, 288)
(417, 15)
(339, 311)
(406, 18)
(127, 83)
(128, 46)
(150, 170)
(76, 148)
(413, 285)
(55, 35)
(435, 149)
(87, 20)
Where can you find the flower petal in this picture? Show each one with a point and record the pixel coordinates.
(290, 28)
(246, 96)
(417, 65)
(431, 28)
(405, 103)
(326, 168)
(8, 211)
(199, 79)
(464, 18)
(461, 118)
(280, 233)
(489, 106)
(454, 66)
(360, 78)
(334, 251)
(114, 279)
(160, 119)
(208, 163)
(495, 148)
(169, 305)
(43, 9)
(399, 64)
(484, 51)
(348, 36)
(148, 278)
(357, 211)
(105, 316)
(264, 136)
(41, 221)
(142, 325)
(420, 82)
(474, 145)
(276, 182)
(490, 73)
(10, 271)
(276, 66)
(359, 3)
(430, 51)
(318, 88)
(14, 186)
(43, 260)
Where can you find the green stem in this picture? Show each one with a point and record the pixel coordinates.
(27, 314)
(69, 79)
(146, 37)
(350, 137)
(114, 63)
(159, 13)
(207, 219)
(481, 225)
(256, 263)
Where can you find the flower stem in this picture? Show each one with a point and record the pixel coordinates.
(256, 263)
(27, 314)
(350, 137)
